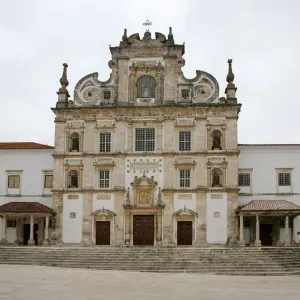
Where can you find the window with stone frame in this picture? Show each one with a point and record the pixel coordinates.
(185, 94)
(185, 178)
(107, 95)
(244, 179)
(48, 181)
(73, 179)
(284, 179)
(144, 139)
(105, 142)
(104, 178)
(184, 141)
(13, 181)
(146, 87)
(74, 142)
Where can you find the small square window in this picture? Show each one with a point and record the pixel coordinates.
(11, 223)
(244, 179)
(48, 181)
(104, 178)
(184, 141)
(185, 94)
(13, 181)
(107, 95)
(284, 179)
(185, 178)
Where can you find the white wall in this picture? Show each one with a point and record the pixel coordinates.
(72, 227)
(99, 203)
(264, 160)
(216, 227)
(179, 203)
(31, 163)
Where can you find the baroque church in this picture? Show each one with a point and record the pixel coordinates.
(147, 157)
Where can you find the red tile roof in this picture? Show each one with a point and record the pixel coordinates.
(23, 145)
(269, 145)
(267, 205)
(25, 207)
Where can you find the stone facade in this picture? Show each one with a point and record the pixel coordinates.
(146, 156)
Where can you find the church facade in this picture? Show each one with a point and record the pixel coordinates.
(147, 157)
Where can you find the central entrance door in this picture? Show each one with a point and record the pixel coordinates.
(103, 233)
(184, 233)
(265, 231)
(143, 230)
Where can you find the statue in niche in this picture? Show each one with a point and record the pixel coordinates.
(216, 178)
(216, 135)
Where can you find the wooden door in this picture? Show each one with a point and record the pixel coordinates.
(185, 233)
(143, 230)
(103, 233)
(265, 231)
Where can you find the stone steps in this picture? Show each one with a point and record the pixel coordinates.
(227, 261)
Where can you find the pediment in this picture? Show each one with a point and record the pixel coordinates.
(185, 212)
(144, 181)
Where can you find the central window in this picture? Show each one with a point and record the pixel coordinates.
(145, 139)
(146, 87)
(14, 181)
(284, 179)
(104, 179)
(185, 178)
(244, 179)
(184, 141)
(105, 141)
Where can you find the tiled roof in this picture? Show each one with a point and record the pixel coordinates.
(267, 205)
(24, 145)
(284, 145)
(25, 207)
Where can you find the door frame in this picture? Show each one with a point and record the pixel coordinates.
(96, 233)
(179, 218)
(106, 218)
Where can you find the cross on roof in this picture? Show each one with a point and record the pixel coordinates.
(147, 24)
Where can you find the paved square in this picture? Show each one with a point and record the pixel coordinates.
(43, 283)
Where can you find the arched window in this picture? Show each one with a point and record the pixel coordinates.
(73, 179)
(216, 177)
(146, 87)
(74, 142)
(216, 140)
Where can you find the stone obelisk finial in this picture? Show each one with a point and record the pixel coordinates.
(63, 94)
(230, 88)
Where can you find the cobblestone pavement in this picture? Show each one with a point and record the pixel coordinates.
(43, 283)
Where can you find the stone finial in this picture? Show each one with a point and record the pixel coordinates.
(159, 198)
(230, 89)
(63, 93)
(147, 35)
(170, 36)
(124, 37)
(127, 197)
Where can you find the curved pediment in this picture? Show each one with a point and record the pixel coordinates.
(144, 181)
(103, 212)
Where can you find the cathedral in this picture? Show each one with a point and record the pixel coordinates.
(147, 157)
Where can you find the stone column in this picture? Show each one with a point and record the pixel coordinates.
(257, 240)
(31, 240)
(46, 240)
(241, 241)
(223, 140)
(129, 137)
(17, 232)
(160, 138)
(287, 241)
(4, 240)
(159, 229)
(127, 228)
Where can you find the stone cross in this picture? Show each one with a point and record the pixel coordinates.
(147, 24)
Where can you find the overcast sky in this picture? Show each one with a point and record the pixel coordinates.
(262, 38)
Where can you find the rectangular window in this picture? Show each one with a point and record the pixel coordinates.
(185, 178)
(13, 181)
(105, 142)
(184, 141)
(104, 178)
(107, 95)
(244, 179)
(11, 223)
(145, 139)
(48, 181)
(185, 94)
(284, 179)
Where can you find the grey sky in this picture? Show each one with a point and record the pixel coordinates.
(262, 38)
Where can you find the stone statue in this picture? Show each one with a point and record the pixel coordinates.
(216, 143)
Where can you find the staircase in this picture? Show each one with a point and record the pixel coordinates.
(225, 261)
